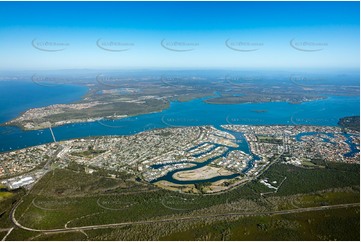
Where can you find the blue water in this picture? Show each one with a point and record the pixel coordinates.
(243, 146)
(16, 97)
(300, 135)
(19, 96)
(204, 152)
(353, 147)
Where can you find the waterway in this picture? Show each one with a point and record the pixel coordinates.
(17, 97)
(348, 139)
(242, 145)
(192, 113)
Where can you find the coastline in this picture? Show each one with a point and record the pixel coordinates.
(31, 125)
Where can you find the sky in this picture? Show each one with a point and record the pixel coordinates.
(127, 35)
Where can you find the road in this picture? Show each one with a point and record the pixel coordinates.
(186, 218)
(291, 211)
(7, 234)
(81, 228)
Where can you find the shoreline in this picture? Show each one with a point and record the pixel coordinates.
(38, 126)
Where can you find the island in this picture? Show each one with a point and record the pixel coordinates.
(111, 97)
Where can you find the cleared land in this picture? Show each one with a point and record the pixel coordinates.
(205, 172)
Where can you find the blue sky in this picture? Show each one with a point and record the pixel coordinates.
(237, 35)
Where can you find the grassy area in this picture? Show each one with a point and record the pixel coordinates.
(6, 204)
(3, 233)
(269, 139)
(90, 153)
(73, 236)
(75, 198)
(301, 180)
(308, 163)
(21, 235)
(5, 195)
(328, 198)
(338, 224)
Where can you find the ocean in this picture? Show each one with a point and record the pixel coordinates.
(18, 96)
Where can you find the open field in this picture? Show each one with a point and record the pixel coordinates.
(186, 188)
(202, 173)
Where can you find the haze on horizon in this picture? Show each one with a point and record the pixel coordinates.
(155, 35)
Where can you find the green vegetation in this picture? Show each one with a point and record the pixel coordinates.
(88, 153)
(307, 163)
(338, 224)
(332, 197)
(301, 180)
(73, 236)
(202, 185)
(3, 233)
(311, 163)
(4, 194)
(269, 139)
(72, 197)
(6, 203)
(147, 94)
(115, 106)
(20, 234)
(352, 122)
(259, 98)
